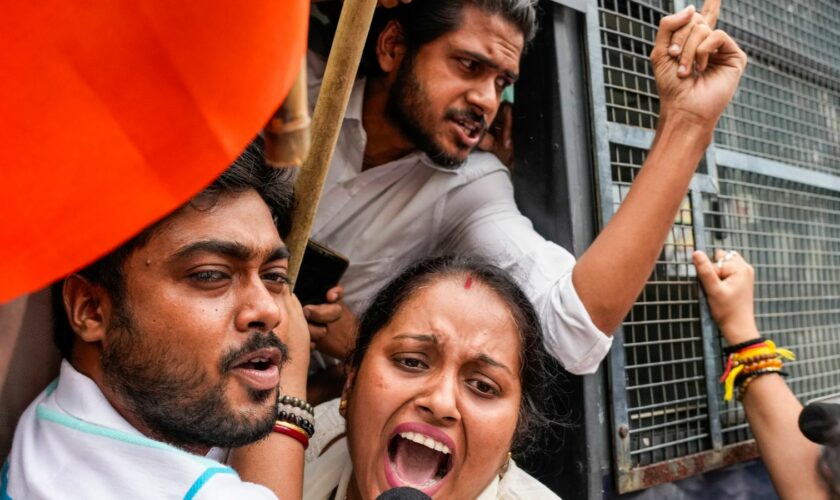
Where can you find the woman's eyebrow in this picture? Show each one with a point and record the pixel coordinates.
(483, 358)
(430, 339)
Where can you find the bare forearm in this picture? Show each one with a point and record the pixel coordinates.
(790, 458)
(612, 272)
(771, 408)
(275, 462)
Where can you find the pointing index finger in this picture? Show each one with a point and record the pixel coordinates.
(710, 12)
(669, 25)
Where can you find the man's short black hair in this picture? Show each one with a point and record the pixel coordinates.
(247, 172)
(425, 21)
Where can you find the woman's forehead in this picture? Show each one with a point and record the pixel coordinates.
(457, 311)
(451, 293)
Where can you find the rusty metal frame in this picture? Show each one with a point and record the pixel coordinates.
(689, 465)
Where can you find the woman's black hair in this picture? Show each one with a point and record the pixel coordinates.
(535, 368)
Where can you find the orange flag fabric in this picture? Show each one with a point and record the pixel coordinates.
(114, 113)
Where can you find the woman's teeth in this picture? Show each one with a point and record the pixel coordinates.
(426, 441)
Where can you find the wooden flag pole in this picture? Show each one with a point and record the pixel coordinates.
(339, 76)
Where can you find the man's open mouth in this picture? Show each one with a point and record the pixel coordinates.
(472, 129)
(260, 369)
(262, 359)
(418, 460)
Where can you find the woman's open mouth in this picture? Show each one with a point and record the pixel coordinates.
(417, 459)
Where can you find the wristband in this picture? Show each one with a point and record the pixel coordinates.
(751, 358)
(304, 423)
(297, 412)
(737, 347)
(292, 431)
(296, 403)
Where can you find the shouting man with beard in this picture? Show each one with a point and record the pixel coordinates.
(407, 181)
(175, 345)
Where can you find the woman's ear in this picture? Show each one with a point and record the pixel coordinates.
(506, 465)
(390, 47)
(88, 307)
(346, 392)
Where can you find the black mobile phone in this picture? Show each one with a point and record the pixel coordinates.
(321, 269)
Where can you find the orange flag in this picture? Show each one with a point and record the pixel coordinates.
(114, 113)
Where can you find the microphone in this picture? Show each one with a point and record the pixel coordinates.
(403, 493)
(820, 422)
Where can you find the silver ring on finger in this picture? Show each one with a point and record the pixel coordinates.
(726, 258)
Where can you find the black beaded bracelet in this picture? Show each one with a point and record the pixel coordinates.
(737, 347)
(290, 416)
(296, 411)
(298, 420)
(297, 403)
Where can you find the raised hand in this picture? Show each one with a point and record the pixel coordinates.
(294, 372)
(729, 283)
(332, 325)
(697, 68)
(320, 315)
(499, 137)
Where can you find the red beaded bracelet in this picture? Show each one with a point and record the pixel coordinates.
(292, 431)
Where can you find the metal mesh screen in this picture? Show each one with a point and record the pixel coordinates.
(788, 105)
(790, 233)
(781, 117)
(787, 109)
(628, 30)
(666, 395)
(807, 27)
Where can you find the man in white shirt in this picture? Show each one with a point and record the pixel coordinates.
(174, 344)
(406, 180)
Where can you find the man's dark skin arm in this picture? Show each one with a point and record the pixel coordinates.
(277, 460)
(611, 273)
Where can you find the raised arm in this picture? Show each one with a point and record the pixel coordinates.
(277, 461)
(771, 407)
(697, 71)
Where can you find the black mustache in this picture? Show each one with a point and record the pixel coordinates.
(466, 115)
(255, 342)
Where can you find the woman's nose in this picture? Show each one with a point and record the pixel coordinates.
(439, 398)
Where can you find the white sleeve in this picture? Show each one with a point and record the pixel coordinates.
(484, 220)
(329, 424)
(225, 486)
